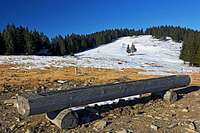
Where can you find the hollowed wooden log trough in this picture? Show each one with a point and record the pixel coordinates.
(32, 104)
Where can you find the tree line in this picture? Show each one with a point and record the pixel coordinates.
(22, 41)
(190, 51)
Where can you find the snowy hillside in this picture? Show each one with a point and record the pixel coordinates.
(152, 54)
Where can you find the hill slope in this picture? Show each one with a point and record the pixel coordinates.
(152, 55)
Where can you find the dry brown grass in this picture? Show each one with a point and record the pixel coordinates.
(195, 78)
(35, 77)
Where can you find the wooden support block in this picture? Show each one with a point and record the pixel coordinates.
(64, 119)
(170, 96)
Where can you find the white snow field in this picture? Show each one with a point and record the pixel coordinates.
(156, 56)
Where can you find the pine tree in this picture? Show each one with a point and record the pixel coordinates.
(84, 45)
(128, 50)
(133, 49)
(2, 45)
(20, 43)
(29, 47)
(9, 38)
(58, 46)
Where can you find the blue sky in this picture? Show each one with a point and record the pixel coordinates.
(63, 17)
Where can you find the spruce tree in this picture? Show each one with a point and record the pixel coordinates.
(2, 45)
(128, 50)
(58, 46)
(20, 43)
(133, 49)
(29, 47)
(9, 38)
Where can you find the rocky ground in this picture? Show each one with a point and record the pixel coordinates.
(146, 114)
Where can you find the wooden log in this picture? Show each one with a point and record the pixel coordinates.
(64, 119)
(29, 104)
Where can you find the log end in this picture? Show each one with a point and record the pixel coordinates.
(23, 106)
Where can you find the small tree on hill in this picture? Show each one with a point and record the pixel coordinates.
(133, 49)
(128, 50)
